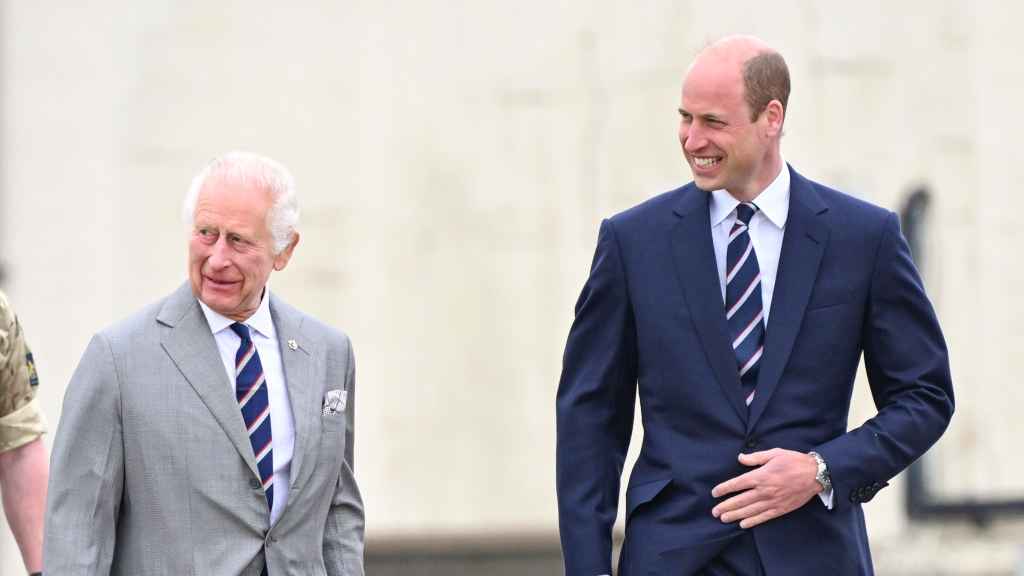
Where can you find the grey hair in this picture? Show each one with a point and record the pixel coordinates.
(258, 171)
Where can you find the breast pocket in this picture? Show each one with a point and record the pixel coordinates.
(332, 436)
(829, 341)
(824, 299)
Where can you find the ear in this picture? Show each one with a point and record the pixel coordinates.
(282, 258)
(774, 116)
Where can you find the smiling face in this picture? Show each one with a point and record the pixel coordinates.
(723, 146)
(231, 249)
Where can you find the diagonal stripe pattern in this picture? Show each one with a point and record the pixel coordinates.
(251, 393)
(743, 308)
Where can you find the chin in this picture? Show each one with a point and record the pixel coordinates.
(706, 184)
(218, 302)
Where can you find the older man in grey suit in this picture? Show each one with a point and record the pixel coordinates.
(211, 432)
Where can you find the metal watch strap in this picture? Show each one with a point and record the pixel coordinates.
(822, 476)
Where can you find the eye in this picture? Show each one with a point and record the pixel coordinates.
(206, 234)
(237, 240)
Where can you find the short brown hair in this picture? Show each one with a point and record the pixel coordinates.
(765, 78)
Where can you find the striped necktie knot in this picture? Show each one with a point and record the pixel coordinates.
(745, 211)
(242, 330)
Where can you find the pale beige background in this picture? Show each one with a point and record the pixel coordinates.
(454, 160)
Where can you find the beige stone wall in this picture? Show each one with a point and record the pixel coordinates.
(454, 160)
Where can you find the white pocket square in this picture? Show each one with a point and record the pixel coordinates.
(335, 402)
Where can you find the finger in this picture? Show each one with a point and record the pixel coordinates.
(738, 484)
(757, 458)
(749, 511)
(736, 502)
(761, 518)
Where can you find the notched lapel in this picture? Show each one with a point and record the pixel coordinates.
(193, 350)
(694, 256)
(803, 245)
(299, 363)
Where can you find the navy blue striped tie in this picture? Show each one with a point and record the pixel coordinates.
(743, 308)
(251, 392)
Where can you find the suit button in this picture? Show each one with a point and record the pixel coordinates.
(254, 483)
(853, 496)
(751, 444)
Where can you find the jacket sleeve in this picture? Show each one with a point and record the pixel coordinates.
(343, 533)
(21, 419)
(595, 402)
(908, 370)
(87, 469)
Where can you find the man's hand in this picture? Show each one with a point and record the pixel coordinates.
(784, 481)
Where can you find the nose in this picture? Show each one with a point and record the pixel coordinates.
(692, 137)
(219, 258)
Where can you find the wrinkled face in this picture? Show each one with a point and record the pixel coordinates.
(231, 250)
(722, 146)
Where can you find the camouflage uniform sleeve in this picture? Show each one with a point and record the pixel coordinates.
(21, 420)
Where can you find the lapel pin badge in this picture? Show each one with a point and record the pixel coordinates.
(292, 345)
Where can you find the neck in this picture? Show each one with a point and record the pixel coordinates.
(768, 172)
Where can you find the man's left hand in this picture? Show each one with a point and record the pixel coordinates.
(783, 482)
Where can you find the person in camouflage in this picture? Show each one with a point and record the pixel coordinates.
(23, 460)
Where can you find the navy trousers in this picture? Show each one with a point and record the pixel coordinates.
(739, 558)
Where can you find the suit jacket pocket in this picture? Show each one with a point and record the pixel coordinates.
(826, 306)
(332, 429)
(829, 343)
(644, 493)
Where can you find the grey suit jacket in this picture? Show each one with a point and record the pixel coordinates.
(152, 470)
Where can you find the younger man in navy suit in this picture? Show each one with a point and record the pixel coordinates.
(738, 307)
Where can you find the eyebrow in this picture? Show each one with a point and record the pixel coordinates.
(221, 230)
(714, 117)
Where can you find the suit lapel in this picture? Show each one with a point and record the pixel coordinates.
(694, 256)
(192, 348)
(803, 245)
(299, 374)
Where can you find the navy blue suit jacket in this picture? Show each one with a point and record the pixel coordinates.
(650, 323)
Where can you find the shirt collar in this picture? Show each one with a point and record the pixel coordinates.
(773, 201)
(260, 321)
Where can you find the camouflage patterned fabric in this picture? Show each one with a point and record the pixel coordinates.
(21, 421)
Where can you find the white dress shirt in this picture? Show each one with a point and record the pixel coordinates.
(282, 426)
(766, 230)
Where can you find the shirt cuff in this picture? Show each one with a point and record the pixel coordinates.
(826, 497)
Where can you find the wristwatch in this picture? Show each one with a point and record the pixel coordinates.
(822, 476)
